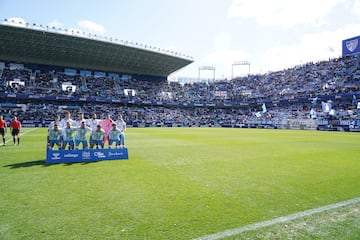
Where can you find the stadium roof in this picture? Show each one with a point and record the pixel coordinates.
(60, 47)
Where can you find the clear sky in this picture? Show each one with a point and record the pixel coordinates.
(270, 35)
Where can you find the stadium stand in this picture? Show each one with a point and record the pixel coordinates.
(289, 96)
(37, 84)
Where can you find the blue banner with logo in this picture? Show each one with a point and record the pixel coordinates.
(85, 155)
(351, 46)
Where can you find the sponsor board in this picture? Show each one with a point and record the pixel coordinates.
(85, 155)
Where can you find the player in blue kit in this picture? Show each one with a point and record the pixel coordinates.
(121, 125)
(97, 137)
(68, 139)
(114, 136)
(81, 136)
(54, 137)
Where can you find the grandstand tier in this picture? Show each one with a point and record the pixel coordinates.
(327, 91)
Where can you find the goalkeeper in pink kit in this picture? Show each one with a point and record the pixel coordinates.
(106, 125)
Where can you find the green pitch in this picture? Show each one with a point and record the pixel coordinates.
(179, 183)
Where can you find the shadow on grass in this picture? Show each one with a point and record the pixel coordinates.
(28, 164)
(76, 163)
(43, 164)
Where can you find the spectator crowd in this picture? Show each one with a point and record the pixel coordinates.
(289, 94)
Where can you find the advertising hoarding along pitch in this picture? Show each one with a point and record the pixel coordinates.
(85, 155)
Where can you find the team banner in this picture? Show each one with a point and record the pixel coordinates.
(351, 46)
(86, 155)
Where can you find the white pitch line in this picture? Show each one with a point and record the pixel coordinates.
(21, 134)
(255, 226)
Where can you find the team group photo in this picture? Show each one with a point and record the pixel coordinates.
(66, 133)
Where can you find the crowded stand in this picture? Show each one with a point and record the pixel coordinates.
(281, 99)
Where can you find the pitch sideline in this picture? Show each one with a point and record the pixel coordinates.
(255, 226)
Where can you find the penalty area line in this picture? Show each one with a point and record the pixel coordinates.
(255, 226)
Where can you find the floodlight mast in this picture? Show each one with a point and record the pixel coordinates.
(207, 68)
(239, 63)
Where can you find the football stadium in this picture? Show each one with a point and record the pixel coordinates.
(261, 156)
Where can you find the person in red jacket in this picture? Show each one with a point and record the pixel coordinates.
(2, 128)
(15, 127)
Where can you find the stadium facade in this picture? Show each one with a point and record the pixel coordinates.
(37, 44)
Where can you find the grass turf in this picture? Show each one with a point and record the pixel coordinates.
(340, 223)
(180, 183)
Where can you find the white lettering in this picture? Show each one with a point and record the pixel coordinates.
(70, 155)
(99, 154)
(86, 155)
(116, 153)
(55, 156)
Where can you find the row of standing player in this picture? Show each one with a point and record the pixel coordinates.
(101, 131)
(15, 126)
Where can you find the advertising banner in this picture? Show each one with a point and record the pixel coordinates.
(85, 155)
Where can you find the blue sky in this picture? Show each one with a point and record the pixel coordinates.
(270, 35)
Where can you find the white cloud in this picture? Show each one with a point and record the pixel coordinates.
(357, 7)
(91, 26)
(222, 40)
(283, 13)
(311, 47)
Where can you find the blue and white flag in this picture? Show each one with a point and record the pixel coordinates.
(354, 102)
(326, 106)
(312, 113)
(264, 108)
